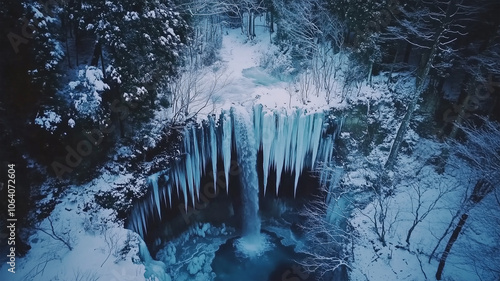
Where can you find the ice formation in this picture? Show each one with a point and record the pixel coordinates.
(290, 142)
(154, 270)
(247, 156)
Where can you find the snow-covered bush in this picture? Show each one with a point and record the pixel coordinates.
(196, 264)
(278, 63)
(167, 254)
(49, 120)
(86, 92)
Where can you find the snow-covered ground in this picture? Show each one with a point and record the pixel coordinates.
(441, 195)
(243, 80)
(95, 242)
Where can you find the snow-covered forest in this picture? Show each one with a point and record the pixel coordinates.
(259, 140)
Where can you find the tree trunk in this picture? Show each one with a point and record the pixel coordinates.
(102, 63)
(370, 72)
(443, 236)
(447, 250)
(64, 27)
(392, 65)
(76, 46)
(152, 93)
(402, 131)
(481, 189)
(407, 52)
(461, 116)
(271, 24)
(68, 52)
(410, 231)
(253, 26)
(96, 55)
(249, 25)
(420, 87)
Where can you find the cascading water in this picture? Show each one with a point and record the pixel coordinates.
(290, 142)
(252, 243)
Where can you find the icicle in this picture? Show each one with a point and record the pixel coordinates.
(137, 225)
(196, 162)
(143, 219)
(293, 141)
(257, 113)
(330, 150)
(190, 176)
(301, 150)
(316, 138)
(213, 151)
(268, 127)
(226, 145)
(203, 152)
(333, 180)
(169, 190)
(175, 179)
(153, 180)
(288, 142)
(279, 151)
(164, 195)
(182, 183)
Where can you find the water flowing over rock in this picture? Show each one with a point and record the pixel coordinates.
(290, 142)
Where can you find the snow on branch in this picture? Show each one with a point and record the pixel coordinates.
(326, 241)
(481, 150)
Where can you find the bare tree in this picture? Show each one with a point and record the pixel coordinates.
(456, 214)
(292, 90)
(482, 248)
(433, 27)
(325, 66)
(209, 7)
(326, 241)
(112, 239)
(383, 214)
(192, 91)
(79, 275)
(422, 208)
(305, 85)
(298, 19)
(62, 236)
(353, 77)
(480, 153)
(41, 265)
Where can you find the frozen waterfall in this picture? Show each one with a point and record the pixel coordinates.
(247, 156)
(252, 243)
(290, 142)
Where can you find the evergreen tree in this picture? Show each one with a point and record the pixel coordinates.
(144, 41)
